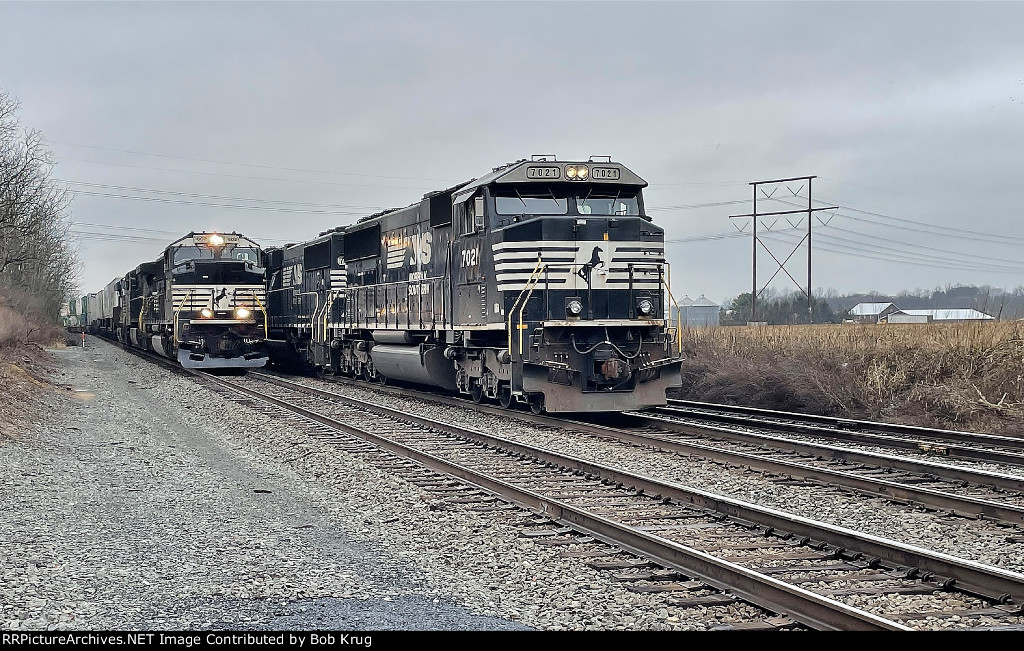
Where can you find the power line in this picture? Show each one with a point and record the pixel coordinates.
(269, 167)
(216, 205)
(253, 178)
(958, 233)
(712, 204)
(116, 235)
(123, 228)
(897, 258)
(947, 252)
(215, 196)
(925, 257)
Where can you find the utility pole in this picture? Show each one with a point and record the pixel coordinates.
(758, 240)
(753, 265)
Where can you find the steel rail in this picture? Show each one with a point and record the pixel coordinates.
(777, 596)
(995, 440)
(975, 578)
(945, 471)
(883, 488)
(867, 438)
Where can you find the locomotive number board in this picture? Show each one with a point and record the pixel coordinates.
(204, 239)
(544, 172)
(605, 174)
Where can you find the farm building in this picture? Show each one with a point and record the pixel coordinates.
(871, 312)
(937, 316)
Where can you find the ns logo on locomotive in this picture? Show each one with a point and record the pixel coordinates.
(202, 302)
(543, 282)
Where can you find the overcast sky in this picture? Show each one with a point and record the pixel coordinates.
(298, 117)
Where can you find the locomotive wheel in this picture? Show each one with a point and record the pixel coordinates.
(537, 403)
(367, 373)
(505, 397)
(476, 392)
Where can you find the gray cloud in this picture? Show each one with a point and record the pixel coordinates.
(912, 110)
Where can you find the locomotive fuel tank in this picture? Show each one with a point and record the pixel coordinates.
(420, 364)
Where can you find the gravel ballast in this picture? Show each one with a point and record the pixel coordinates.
(126, 509)
(979, 540)
(143, 501)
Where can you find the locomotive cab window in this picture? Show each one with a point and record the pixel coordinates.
(186, 253)
(245, 254)
(470, 215)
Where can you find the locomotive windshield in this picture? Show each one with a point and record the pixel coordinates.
(584, 199)
(531, 200)
(201, 272)
(237, 253)
(607, 201)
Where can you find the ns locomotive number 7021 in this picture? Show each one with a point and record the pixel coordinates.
(542, 282)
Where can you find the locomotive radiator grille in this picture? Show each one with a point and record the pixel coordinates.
(569, 263)
(218, 297)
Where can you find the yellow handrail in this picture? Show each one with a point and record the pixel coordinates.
(142, 310)
(331, 297)
(266, 327)
(174, 329)
(679, 314)
(531, 282)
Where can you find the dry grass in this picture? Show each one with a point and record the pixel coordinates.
(23, 362)
(961, 376)
(24, 381)
(21, 324)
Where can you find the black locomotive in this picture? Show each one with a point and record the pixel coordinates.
(542, 282)
(201, 302)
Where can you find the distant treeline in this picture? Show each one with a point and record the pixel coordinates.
(779, 308)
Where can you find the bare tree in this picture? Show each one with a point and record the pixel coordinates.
(37, 258)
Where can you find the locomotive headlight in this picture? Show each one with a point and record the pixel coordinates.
(206, 313)
(242, 313)
(570, 172)
(582, 173)
(645, 307)
(216, 240)
(574, 308)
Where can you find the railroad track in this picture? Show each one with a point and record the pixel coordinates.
(700, 548)
(972, 446)
(928, 484)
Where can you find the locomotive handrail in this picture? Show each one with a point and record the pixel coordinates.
(679, 314)
(142, 310)
(266, 319)
(316, 308)
(520, 303)
(332, 297)
(174, 329)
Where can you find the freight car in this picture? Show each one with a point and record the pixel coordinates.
(542, 282)
(74, 314)
(202, 302)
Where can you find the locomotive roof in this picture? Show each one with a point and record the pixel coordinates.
(199, 237)
(515, 172)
